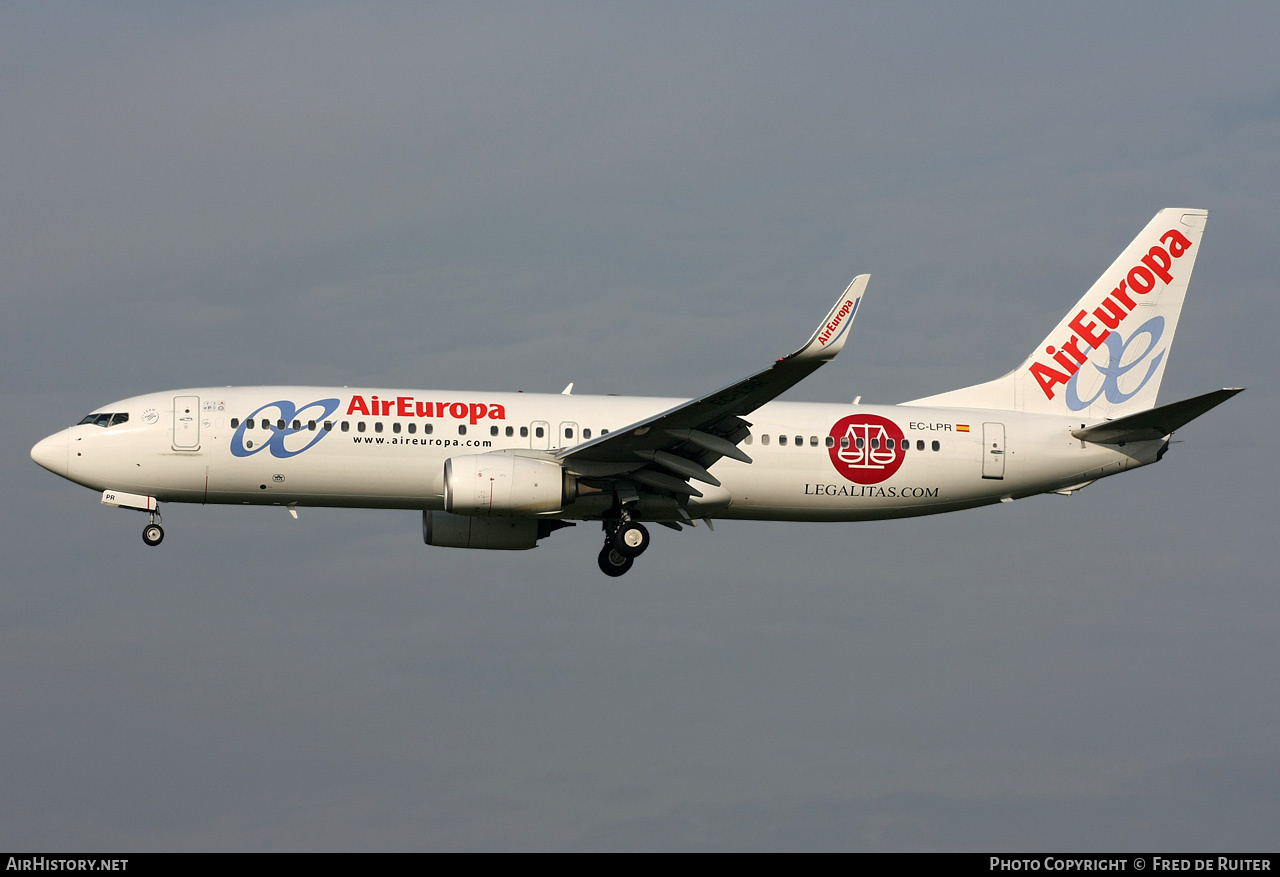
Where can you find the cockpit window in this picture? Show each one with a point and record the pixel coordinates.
(105, 419)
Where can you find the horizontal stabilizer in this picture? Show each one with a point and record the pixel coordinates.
(1154, 424)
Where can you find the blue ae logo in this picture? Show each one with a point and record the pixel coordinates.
(1121, 360)
(288, 441)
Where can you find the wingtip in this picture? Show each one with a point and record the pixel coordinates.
(831, 335)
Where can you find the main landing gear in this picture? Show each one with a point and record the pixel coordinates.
(624, 541)
(612, 563)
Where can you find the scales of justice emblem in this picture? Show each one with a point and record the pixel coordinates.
(867, 449)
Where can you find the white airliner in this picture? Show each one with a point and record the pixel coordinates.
(503, 470)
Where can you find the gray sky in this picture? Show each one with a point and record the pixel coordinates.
(655, 200)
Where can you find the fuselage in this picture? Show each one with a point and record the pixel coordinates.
(387, 448)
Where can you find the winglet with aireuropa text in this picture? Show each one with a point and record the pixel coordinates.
(831, 335)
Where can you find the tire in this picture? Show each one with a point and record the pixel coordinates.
(153, 534)
(631, 539)
(612, 563)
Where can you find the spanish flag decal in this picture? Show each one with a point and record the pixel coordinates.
(962, 427)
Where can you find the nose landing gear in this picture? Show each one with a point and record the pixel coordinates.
(153, 533)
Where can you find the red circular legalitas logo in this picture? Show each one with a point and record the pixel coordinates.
(868, 448)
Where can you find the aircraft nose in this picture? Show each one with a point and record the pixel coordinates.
(51, 453)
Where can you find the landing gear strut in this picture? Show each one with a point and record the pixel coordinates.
(153, 533)
(624, 541)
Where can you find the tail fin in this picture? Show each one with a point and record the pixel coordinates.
(1106, 357)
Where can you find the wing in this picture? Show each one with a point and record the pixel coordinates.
(661, 453)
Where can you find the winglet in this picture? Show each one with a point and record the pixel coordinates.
(831, 335)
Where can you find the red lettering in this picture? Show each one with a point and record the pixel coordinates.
(1072, 348)
(831, 327)
(1123, 297)
(1157, 259)
(1061, 358)
(1148, 280)
(1086, 331)
(1047, 377)
(407, 406)
(1110, 313)
(1176, 243)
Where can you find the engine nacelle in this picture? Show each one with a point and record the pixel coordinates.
(503, 484)
(462, 531)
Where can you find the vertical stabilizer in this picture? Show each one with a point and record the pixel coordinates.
(1106, 357)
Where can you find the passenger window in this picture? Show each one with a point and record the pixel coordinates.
(510, 432)
(813, 441)
(860, 442)
(799, 441)
(782, 440)
(297, 425)
(875, 443)
(586, 433)
(311, 425)
(524, 432)
(427, 428)
(377, 427)
(493, 430)
(462, 429)
(764, 439)
(844, 442)
(413, 427)
(920, 445)
(360, 426)
(937, 446)
(266, 424)
(747, 440)
(538, 431)
(328, 426)
(235, 421)
(831, 441)
(346, 426)
(889, 444)
(604, 432)
(395, 427)
(280, 424)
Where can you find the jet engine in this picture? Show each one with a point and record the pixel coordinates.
(505, 485)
